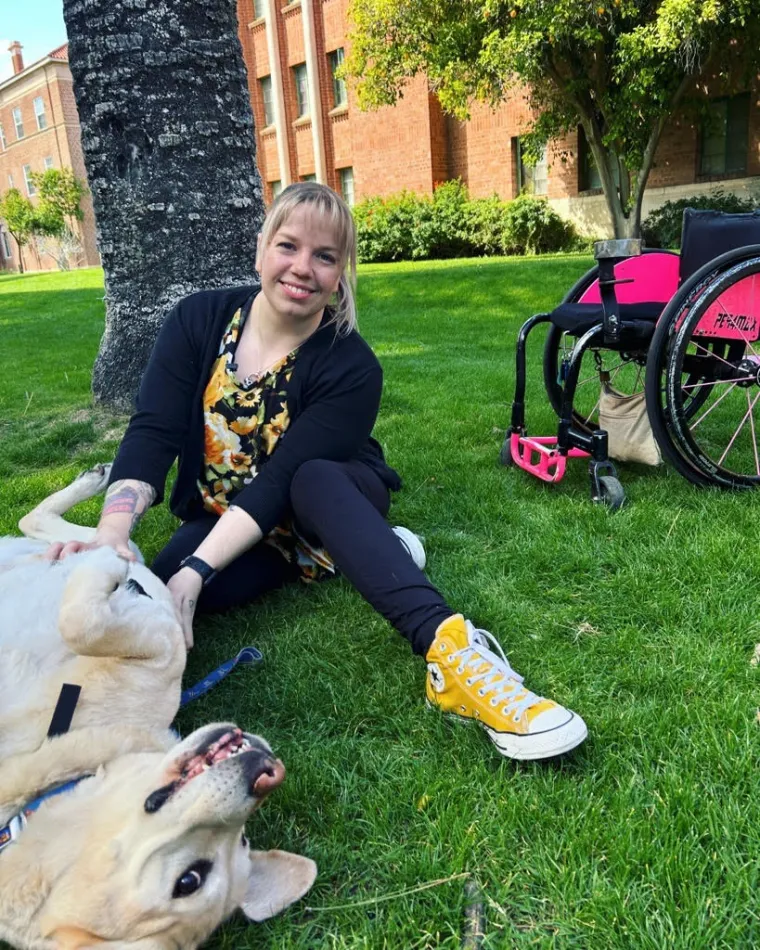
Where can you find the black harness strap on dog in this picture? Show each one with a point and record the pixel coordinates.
(64, 710)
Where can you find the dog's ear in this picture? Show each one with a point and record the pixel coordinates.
(277, 879)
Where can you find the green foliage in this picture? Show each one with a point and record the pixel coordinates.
(662, 227)
(619, 68)
(60, 193)
(532, 226)
(19, 215)
(450, 224)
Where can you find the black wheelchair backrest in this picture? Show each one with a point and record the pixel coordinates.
(707, 234)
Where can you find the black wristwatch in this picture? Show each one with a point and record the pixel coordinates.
(197, 564)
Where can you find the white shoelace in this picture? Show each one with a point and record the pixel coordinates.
(500, 680)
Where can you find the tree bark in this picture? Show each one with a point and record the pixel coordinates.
(167, 134)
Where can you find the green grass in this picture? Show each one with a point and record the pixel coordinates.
(643, 621)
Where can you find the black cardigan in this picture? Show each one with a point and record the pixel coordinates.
(333, 400)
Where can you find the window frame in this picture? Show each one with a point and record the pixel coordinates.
(526, 174)
(267, 99)
(741, 101)
(7, 250)
(31, 191)
(3, 139)
(39, 113)
(259, 9)
(301, 84)
(18, 122)
(587, 167)
(340, 91)
(343, 173)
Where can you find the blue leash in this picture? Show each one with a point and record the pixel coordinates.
(248, 656)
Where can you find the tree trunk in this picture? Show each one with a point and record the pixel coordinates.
(20, 254)
(167, 134)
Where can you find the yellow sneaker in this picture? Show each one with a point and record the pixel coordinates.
(467, 679)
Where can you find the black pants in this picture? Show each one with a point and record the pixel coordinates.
(342, 507)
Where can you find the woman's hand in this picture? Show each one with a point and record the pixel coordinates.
(104, 537)
(185, 587)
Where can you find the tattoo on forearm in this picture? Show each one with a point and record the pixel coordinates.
(134, 499)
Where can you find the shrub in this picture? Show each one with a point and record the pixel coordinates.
(413, 227)
(394, 229)
(486, 223)
(662, 228)
(532, 226)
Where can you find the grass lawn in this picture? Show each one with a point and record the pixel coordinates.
(643, 621)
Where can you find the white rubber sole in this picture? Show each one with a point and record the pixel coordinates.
(531, 748)
(413, 545)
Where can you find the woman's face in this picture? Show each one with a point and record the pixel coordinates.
(301, 266)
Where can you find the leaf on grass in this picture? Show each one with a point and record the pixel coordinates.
(755, 656)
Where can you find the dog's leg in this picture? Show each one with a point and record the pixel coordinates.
(83, 750)
(45, 522)
(90, 627)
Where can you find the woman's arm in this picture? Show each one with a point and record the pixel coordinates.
(234, 533)
(125, 503)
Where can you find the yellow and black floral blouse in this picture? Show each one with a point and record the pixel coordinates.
(243, 424)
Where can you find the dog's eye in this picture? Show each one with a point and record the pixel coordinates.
(192, 879)
(243, 840)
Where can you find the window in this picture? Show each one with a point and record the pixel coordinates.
(3, 140)
(276, 189)
(6, 245)
(10, 180)
(531, 179)
(347, 185)
(302, 89)
(39, 111)
(308, 177)
(259, 9)
(30, 189)
(48, 163)
(18, 122)
(724, 141)
(340, 95)
(266, 94)
(589, 178)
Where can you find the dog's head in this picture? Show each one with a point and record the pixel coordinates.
(164, 859)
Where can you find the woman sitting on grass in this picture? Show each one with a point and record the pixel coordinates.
(268, 395)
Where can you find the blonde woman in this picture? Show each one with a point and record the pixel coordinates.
(267, 396)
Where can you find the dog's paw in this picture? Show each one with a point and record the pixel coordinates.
(95, 479)
(109, 569)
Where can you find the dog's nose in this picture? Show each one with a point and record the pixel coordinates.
(263, 773)
(270, 778)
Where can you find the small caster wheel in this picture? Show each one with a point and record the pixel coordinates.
(505, 455)
(611, 492)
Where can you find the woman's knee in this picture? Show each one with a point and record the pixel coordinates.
(310, 481)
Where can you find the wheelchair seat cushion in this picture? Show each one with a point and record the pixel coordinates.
(637, 319)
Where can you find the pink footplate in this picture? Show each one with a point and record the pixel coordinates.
(538, 454)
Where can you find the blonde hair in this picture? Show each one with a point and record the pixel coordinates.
(328, 203)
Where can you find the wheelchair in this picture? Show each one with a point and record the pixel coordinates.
(678, 333)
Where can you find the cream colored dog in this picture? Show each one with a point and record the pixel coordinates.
(146, 851)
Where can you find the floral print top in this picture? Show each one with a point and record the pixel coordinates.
(243, 424)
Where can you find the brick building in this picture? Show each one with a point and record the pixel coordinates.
(308, 125)
(39, 129)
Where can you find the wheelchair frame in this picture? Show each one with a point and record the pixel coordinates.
(662, 350)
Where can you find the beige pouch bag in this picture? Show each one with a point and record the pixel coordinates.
(629, 434)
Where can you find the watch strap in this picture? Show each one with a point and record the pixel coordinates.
(197, 564)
